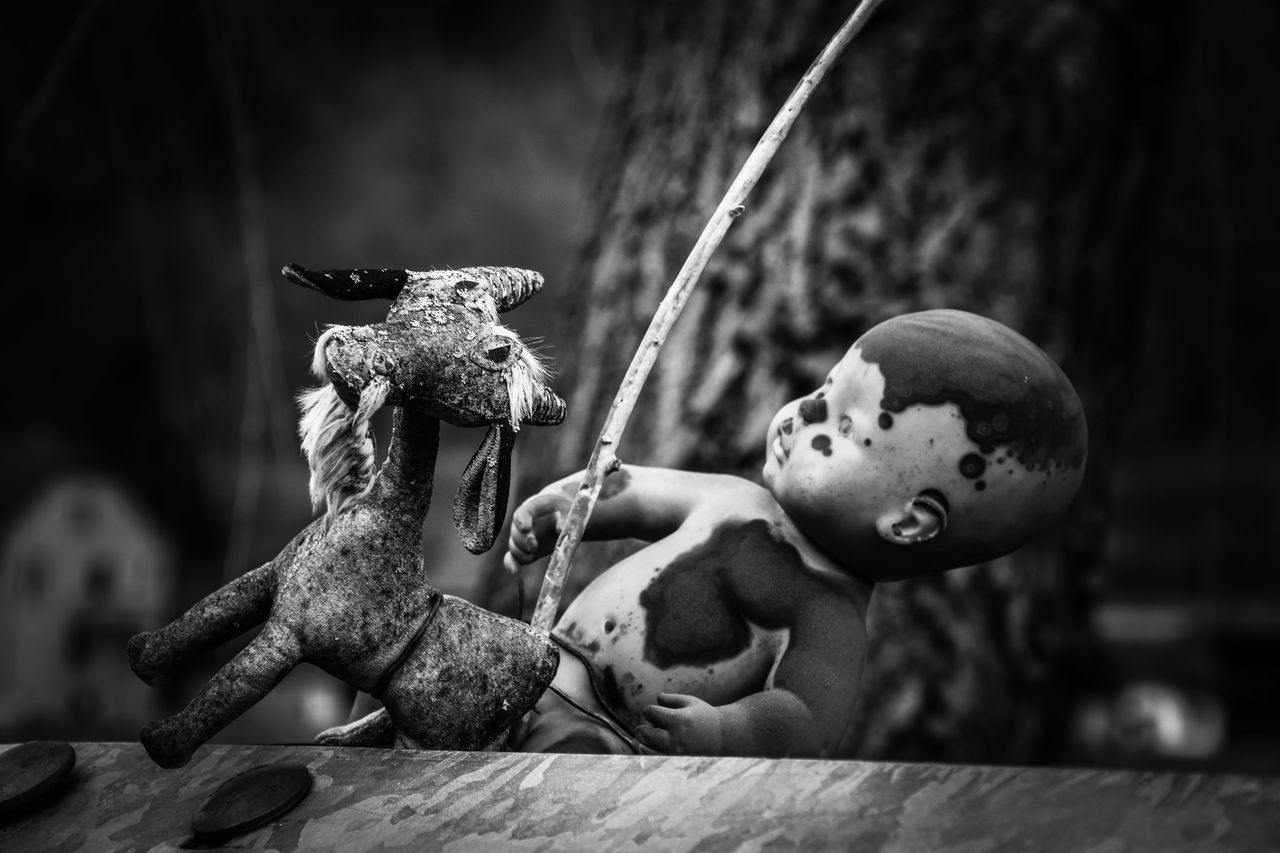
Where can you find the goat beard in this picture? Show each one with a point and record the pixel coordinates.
(526, 378)
(338, 444)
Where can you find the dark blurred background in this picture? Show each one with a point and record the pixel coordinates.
(162, 162)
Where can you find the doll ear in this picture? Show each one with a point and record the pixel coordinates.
(481, 501)
(919, 520)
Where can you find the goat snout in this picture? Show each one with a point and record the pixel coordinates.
(548, 409)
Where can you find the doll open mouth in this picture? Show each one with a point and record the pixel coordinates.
(780, 450)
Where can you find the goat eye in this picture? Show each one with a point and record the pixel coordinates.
(464, 286)
(498, 352)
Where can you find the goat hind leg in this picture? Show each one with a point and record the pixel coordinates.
(376, 729)
(234, 689)
(221, 615)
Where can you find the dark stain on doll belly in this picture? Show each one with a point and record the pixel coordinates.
(692, 615)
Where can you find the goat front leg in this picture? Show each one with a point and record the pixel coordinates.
(234, 689)
(220, 616)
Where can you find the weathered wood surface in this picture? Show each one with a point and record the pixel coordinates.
(404, 800)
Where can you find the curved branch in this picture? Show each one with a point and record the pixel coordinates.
(603, 457)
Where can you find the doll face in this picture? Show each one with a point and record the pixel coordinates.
(836, 461)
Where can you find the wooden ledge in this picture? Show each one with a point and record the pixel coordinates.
(381, 800)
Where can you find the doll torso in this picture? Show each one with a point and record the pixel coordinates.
(710, 609)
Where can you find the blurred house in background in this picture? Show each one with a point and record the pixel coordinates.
(82, 570)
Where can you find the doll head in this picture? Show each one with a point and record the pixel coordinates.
(941, 439)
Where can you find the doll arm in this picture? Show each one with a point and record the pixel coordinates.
(635, 502)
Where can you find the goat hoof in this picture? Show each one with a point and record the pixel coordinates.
(137, 647)
(164, 747)
(137, 654)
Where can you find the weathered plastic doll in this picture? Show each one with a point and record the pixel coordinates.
(941, 439)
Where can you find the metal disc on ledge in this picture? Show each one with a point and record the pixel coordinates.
(250, 800)
(31, 773)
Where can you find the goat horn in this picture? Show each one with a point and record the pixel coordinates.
(349, 284)
(509, 285)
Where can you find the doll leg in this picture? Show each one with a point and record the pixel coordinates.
(235, 688)
(221, 615)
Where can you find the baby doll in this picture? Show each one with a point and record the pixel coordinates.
(941, 439)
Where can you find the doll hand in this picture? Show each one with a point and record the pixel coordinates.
(681, 724)
(534, 527)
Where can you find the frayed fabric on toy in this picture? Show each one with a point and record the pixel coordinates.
(350, 593)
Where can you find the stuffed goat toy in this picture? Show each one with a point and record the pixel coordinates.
(350, 593)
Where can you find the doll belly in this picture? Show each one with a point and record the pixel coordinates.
(628, 681)
(692, 639)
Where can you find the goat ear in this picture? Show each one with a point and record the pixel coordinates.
(481, 502)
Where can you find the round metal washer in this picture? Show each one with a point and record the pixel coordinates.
(251, 799)
(30, 774)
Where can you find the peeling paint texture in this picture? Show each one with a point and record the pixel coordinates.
(1010, 393)
(390, 800)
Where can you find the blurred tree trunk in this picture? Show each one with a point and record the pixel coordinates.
(990, 156)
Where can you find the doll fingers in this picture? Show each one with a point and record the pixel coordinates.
(522, 519)
(676, 700)
(522, 545)
(520, 553)
(664, 718)
(653, 738)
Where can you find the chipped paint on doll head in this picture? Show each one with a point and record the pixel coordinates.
(1009, 392)
(941, 402)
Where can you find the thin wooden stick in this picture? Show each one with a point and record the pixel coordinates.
(603, 457)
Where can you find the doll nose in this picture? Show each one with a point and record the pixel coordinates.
(813, 410)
